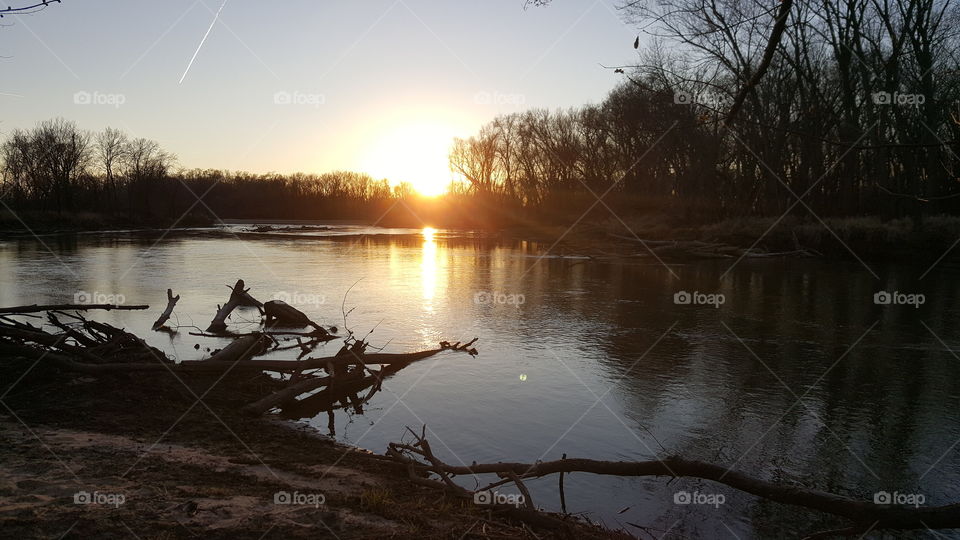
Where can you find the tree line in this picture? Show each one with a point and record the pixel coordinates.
(854, 114)
(58, 168)
(841, 109)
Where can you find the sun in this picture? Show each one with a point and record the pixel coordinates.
(413, 153)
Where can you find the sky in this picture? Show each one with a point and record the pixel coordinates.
(378, 86)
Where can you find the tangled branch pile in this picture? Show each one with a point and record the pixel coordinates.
(74, 342)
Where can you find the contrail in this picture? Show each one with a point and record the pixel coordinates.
(215, 17)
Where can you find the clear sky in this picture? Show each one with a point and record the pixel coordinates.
(378, 86)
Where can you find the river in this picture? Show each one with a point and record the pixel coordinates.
(794, 374)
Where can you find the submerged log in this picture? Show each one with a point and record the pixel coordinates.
(35, 308)
(241, 349)
(238, 297)
(290, 393)
(338, 372)
(353, 355)
(278, 311)
(326, 399)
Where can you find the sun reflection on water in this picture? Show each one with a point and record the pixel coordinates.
(428, 266)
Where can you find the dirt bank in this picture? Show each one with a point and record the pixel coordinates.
(166, 458)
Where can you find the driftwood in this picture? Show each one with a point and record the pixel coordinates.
(353, 355)
(211, 365)
(863, 515)
(34, 308)
(241, 349)
(171, 301)
(86, 346)
(344, 391)
(238, 297)
(289, 393)
(272, 332)
(282, 313)
(354, 351)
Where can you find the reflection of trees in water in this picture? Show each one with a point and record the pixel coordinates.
(874, 416)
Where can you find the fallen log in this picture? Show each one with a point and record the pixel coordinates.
(290, 393)
(241, 349)
(238, 297)
(352, 355)
(326, 336)
(278, 311)
(338, 372)
(171, 301)
(214, 364)
(36, 308)
(864, 514)
(326, 399)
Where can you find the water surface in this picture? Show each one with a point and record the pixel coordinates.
(798, 376)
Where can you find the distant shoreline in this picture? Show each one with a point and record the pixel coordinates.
(867, 238)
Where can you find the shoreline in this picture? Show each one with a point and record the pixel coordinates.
(869, 238)
(153, 460)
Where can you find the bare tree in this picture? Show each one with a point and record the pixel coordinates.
(111, 147)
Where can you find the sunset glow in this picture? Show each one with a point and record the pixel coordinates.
(413, 153)
(489, 211)
(428, 267)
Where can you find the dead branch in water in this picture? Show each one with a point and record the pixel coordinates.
(353, 355)
(86, 346)
(238, 297)
(863, 515)
(171, 302)
(281, 313)
(35, 308)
